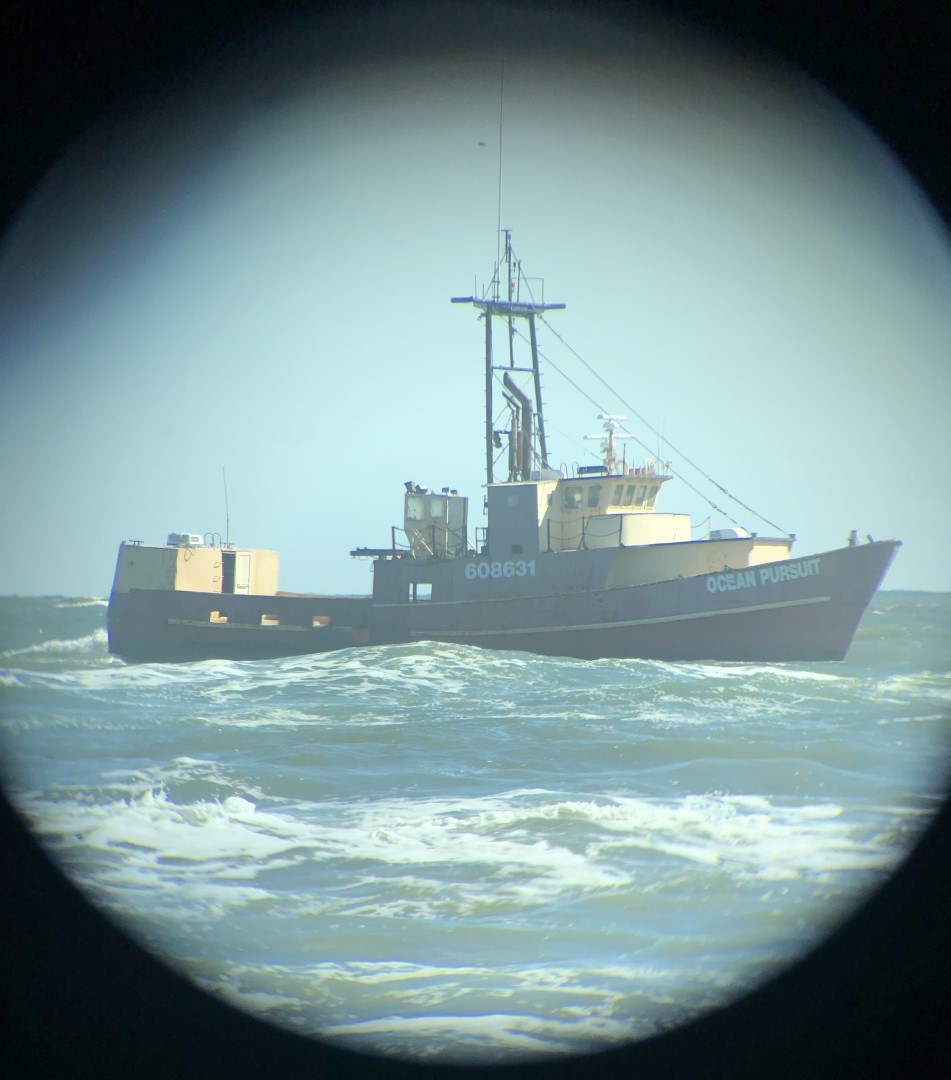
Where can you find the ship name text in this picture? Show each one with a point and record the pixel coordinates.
(731, 580)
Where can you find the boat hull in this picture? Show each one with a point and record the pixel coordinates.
(763, 613)
(154, 625)
(806, 609)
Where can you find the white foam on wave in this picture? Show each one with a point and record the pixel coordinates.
(119, 675)
(490, 855)
(682, 670)
(787, 673)
(533, 846)
(379, 972)
(84, 601)
(924, 684)
(729, 671)
(454, 856)
(338, 676)
(258, 1002)
(486, 865)
(510, 852)
(748, 836)
(182, 856)
(57, 645)
(516, 1033)
(424, 668)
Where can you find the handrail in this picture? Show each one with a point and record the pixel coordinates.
(579, 541)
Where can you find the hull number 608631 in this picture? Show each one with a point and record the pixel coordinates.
(512, 568)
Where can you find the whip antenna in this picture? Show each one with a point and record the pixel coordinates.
(224, 481)
(498, 224)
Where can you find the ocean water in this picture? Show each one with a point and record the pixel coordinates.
(449, 854)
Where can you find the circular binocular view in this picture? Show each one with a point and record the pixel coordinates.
(475, 584)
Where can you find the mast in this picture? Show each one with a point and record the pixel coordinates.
(508, 279)
(488, 398)
(509, 310)
(538, 391)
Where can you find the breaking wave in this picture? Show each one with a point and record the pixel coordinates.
(93, 640)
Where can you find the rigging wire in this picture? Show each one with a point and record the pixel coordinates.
(640, 443)
(697, 491)
(666, 441)
(627, 405)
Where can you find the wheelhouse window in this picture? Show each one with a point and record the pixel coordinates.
(618, 492)
(416, 508)
(573, 498)
(651, 496)
(421, 590)
(629, 495)
(641, 492)
(594, 496)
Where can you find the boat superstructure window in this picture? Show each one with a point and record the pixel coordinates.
(594, 496)
(573, 498)
(628, 495)
(421, 590)
(641, 492)
(270, 620)
(434, 524)
(415, 508)
(618, 492)
(651, 496)
(320, 620)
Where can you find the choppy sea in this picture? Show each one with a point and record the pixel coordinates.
(449, 854)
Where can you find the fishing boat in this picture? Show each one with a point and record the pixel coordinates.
(581, 565)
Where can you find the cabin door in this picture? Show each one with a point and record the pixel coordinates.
(242, 572)
(235, 572)
(227, 571)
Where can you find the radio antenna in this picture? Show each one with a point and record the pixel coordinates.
(224, 481)
(498, 228)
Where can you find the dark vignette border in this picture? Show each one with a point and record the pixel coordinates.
(77, 998)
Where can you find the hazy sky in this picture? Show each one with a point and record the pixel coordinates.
(254, 271)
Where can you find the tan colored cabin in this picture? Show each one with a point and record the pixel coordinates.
(186, 564)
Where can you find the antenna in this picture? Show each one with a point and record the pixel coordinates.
(224, 480)
(607, 444)
(498, 227)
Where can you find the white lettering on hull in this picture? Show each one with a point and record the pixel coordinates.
(496, 570)
(731, 580)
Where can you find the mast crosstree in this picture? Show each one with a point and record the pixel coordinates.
(527, 413)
